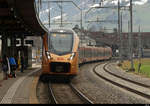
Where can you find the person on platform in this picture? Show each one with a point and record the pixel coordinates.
(5, 67)
(12, 66)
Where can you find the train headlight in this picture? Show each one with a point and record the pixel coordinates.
(72, 56)
(48, 55)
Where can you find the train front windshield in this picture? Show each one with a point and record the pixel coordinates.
(60, 44)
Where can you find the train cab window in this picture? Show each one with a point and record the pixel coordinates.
(60, 43)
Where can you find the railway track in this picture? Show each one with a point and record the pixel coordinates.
(66, 94)
(129, 85)
(140, 84)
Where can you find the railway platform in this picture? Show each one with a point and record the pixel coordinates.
(20, 90)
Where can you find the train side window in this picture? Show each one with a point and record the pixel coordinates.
(90, 53)
(96, 53)
(86, 53)
(100, 53)
(104, 52)
(83, 53)
(79, 53)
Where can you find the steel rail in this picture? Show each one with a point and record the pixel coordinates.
(120, 85)
(81, 95)
(51, 93)
(76, 91)
(137, 83)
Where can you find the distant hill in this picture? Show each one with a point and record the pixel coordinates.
(141, 15)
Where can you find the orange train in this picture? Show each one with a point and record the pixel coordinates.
(62, 54)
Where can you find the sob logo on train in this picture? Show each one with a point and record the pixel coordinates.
(60, 58)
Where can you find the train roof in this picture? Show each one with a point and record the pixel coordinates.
(96, 46)
(63, 30)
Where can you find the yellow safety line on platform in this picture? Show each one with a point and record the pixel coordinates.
(33, 97)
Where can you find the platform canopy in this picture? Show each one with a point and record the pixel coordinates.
(19, 17)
